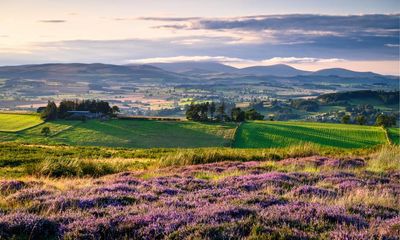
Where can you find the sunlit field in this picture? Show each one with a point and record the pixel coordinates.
(264, 134)
(10, 122)
(129, 133)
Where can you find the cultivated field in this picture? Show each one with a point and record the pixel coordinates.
(138, 133)
(394, 135)
(264, 134)
(16, 122)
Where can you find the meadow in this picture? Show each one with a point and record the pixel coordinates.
(266, 134)
(140, 133)
(128, 133)
(10, 122)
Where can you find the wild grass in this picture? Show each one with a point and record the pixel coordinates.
(384, 160)
(17, 160)
(215, 176)
(74, 167)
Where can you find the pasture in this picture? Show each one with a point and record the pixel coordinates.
(260, 134)
(128, 133)
(10, 122)
(394, 135)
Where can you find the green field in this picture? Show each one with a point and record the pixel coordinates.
(128, 133)
(394, 135)
(281, 134)
(169, 134)
(10, 122)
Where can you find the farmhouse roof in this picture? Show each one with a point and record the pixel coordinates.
(78, 112)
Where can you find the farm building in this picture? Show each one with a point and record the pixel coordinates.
(84, 114)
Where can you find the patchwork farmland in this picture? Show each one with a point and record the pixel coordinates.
(186, 134)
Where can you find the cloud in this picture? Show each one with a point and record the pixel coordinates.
(221, 59)
(392, 45)
(53, 21)
(309, 22)
(234, 60)
(297, 60)
(326, 31)
(169, 19)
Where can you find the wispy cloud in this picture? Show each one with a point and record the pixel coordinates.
(356, 31)
(232, 60)
(299, 60)
(169, 19)
(221, 59)
(53, 21)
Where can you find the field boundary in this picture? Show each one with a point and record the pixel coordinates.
(127, 117)
(388, 139)
(235, 135)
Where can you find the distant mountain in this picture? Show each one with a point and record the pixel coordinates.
(76, 71)
(341, 72)
(280, 70)
(273, 70)
(195, 67)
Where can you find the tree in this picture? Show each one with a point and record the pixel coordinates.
(237, 115)
(192, 113)
(385, 120)
(45, 131)
(212, 109)
(221, 115)
(253, 115)
(50, 113)
(346, 119)
(115, 109)
(204, 111)
(361, 119)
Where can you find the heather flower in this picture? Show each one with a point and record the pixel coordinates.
(310, 191)
(7, 187)
(25, 225)
(374, 211)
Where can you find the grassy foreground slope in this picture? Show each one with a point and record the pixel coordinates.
(10, 122)
(281, 134)
(128, 133)
(297, 198)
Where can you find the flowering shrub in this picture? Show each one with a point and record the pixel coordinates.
(174, 204)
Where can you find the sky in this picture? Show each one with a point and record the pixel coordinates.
(361, 35)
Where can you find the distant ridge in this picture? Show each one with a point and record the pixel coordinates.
(201, 67)
(280, 70)
(171, 71)
(274, 70)
(344, 73)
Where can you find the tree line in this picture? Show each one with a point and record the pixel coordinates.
(385, 97)
(52, 111)
(204, 112)
(381, 120)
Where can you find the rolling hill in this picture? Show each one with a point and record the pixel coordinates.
(74, 71)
